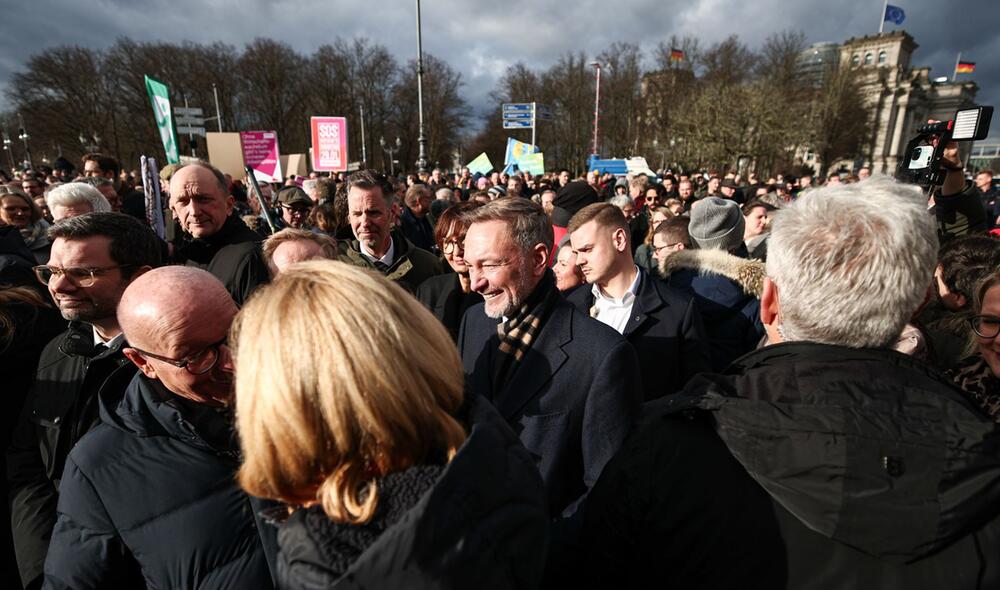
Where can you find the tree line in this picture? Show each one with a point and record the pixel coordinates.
(723, 106)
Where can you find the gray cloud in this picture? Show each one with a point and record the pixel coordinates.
(482, 38)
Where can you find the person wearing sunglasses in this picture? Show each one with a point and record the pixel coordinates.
(149, 497)
(979, 375)
(94, 258)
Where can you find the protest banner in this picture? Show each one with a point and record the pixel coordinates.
(480, 165)
(516, 150)
(260, 153)
(533, 163)
(329, 143)
(159, 96)
(225, 153)
(154, 198)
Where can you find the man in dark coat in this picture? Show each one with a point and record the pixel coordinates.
(567, 384)
(415, 219)
(149, 497)
(662, 324)
(215, 238)
(376, 245)
(825, 460)
(94, 258)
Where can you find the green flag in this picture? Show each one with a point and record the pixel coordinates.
(160, 99)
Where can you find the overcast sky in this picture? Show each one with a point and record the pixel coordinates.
(480, 38)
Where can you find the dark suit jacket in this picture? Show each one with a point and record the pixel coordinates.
(443, 295)
(666, 331)
(571, 399)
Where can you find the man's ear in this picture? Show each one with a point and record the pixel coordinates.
(620, 239)
(539, 260)
(769, 307)
(140, 361)
(230, 203)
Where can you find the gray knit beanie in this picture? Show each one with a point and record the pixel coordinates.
(716, 224)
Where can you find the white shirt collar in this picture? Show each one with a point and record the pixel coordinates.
(626, 299)
(387, 260)
(99, 340)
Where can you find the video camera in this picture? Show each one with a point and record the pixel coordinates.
(921, 163)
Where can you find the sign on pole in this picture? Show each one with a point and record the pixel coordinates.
(260, 152)
(160, 99)
(329, 143)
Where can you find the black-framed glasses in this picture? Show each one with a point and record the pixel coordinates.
(985, 326)
(198, 363)
(302, 210)
(659, 249)
(452, 245)
(78, 275)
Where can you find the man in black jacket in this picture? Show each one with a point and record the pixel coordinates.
(149, 497)
(376, 245)
(663, 324)
(415, 219)
(94, 258)
(824, 460)
(215, 238)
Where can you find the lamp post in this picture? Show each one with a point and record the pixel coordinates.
(597, 103)
(23, 136)
(391, 151)
(421, 138)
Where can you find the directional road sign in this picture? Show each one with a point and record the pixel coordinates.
(517, 116)
(188, 112)
(190, 130)
(517, 125)
(517, 107)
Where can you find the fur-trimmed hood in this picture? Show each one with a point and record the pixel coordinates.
(748, 274)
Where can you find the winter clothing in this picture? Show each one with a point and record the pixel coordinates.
(410, 267)
(575, 196)
(478, 521)
(726, 290)
(60, 408)
(804, 466)
(418, 230)
(442, 294)
(977, 380)
(644, 260)
(666, 331)
(149, 498)
(717, 224)
(37, 240)
(232, 254)
(960, 214)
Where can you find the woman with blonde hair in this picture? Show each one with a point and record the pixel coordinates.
(357, 421)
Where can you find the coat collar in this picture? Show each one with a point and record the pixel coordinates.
(648, 300)
(748, 274)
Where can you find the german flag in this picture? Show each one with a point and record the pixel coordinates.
(676, 55)
(965, 67)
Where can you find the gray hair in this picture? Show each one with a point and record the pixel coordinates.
(445, 194)
(852, 262)
(527, 223)
(620, 201)
(77, 193)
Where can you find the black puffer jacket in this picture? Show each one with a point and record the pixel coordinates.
(804, 466)
(232, 255)
(481, 524)
(149, 498)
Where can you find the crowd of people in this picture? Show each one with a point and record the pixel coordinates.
(455, 380)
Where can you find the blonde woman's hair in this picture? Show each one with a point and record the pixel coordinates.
(342, 377)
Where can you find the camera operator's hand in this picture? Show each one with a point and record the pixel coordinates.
(954, 180)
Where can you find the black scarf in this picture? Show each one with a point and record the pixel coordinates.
(520, 330)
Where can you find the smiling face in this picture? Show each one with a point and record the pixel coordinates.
(14, 210)
(198, 202)
(86, 304)
(498, 270)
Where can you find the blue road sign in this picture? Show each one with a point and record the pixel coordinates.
(517, 124)
(517, 107)
(517, 116)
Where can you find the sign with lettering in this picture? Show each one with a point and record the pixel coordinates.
(329, 143)
(260, 152)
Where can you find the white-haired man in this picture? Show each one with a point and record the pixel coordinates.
(75, 198)
(824, 460)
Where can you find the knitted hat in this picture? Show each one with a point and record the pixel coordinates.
(716, 224)
(497, 191)
(622, 181)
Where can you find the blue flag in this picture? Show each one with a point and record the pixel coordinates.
(894, 14)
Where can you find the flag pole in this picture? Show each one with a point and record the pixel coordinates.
(954, 72)
(881, 21)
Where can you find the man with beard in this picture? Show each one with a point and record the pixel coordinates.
(149, 497)
(94, 258)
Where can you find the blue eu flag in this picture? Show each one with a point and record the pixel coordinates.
(894, 14)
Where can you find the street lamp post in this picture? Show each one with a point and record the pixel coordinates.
(421, 138)
(597, 102)
(23, 136)
(8, 147)
(391, 151)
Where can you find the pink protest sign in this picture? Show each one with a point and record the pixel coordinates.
(329, 143)
(260, 152)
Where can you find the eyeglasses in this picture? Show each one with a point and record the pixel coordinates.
(196, 364)
(452, 245)
(301, 210)
(659, 249)
(985, 326)
(78, 275)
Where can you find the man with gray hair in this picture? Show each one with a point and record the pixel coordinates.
(75, 198)
(824, 459)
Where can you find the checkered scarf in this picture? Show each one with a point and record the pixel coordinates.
(519, 332)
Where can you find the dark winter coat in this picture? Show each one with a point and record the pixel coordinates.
(666, 331)
(418, 230)
(61, 407)
(478, 522)
(960, 214)
(804, 466)
(410, 267)
(726, 290)
(232, 255)
(442, 294)
(149, 498)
